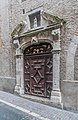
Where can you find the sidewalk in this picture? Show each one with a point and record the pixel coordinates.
(36, 109)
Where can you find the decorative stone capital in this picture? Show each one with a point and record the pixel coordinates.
(16, 42)
(18, 53)
(56, 34)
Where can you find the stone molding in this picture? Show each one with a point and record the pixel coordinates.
(56, 94)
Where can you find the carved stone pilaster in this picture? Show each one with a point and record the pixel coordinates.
(18, 66)
(56, 94)
(18, 70)
(22, 77)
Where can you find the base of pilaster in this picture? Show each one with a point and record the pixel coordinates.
(21, 91)
(56, 96)
(56, 99)
(17, 89)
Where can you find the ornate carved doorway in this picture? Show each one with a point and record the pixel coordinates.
(38, 69)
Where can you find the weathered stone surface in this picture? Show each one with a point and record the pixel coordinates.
(7, 84)
(70, 94)
(11, 14)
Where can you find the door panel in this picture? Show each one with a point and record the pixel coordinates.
(38, 74)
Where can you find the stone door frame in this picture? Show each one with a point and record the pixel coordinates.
(56, 93)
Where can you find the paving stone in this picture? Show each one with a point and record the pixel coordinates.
(43, 110)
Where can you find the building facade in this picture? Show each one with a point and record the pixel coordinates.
(39, 50)
(7, 73)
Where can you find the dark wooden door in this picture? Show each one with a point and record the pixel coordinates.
(38, 70)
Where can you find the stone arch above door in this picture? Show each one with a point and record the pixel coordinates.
(24, 45)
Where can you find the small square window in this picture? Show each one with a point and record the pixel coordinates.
(35, 20)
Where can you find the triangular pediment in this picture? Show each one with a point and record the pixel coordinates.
(47, 20)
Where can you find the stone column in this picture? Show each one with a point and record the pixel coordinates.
(18, 70)
(19, 88)
(22, 76)
(56, 94)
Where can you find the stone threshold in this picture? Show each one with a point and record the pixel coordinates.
(42, 100)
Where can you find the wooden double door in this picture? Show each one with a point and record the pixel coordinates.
(38, 71)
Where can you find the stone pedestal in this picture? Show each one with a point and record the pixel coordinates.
(56, 96)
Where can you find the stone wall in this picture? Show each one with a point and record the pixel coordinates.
(67, 10)
(7, 68)
(76, 65)
(70, 95)
(64, 9)
(12, 14)
(7, 84)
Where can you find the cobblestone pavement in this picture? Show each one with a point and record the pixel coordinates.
(45, 111)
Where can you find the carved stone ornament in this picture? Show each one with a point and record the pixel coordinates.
(56, 34)
(16, 43)
(18, 28)
(34, 40)
(47, 15)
